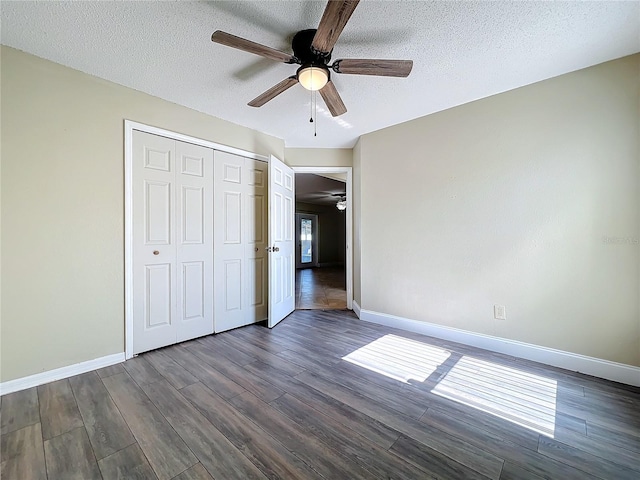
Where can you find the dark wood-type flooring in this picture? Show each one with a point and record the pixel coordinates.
(281, 403)
(321, 288)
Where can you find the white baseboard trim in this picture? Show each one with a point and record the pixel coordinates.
(356, 308)
(618, 372)
(59, 373)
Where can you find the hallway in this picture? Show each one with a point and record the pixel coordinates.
(321, 288)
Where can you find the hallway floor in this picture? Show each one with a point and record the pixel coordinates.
(321, 288)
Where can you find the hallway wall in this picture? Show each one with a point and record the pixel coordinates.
(332, 242)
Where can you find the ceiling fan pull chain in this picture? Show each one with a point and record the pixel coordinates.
(315, 113)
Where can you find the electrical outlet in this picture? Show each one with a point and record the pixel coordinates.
(499, 312)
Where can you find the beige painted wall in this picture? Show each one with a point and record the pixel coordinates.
(62, 207)
(318, 157)
(527, 199)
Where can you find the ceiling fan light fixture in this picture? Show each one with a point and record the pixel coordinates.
(312, 77)
(342, 204)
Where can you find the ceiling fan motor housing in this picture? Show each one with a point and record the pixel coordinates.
(305, 53)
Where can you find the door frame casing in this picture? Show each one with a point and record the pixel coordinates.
(129, 127)
(348, 220)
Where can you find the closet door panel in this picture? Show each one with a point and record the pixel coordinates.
(256, 240)
(229, 254)
(154, 275)
(194, 254)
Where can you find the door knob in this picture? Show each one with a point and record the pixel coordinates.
(156, 252)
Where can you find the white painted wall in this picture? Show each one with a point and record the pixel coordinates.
(527, 199)
(62, 207)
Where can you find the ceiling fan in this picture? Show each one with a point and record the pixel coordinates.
(312, 51)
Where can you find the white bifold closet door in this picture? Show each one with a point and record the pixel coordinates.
(240, 256)
(172, 241)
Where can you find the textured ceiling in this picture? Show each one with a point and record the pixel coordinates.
(317, 189)
(462, 51)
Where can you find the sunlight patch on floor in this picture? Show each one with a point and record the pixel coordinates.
(520, 397)
(399, 358)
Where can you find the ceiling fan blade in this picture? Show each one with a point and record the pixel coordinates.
(383, 68)
(332, 98)
(335, 17)
(252, 47)
(273, 92)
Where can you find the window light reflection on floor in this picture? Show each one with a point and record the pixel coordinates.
(520, 397)
(399, 358)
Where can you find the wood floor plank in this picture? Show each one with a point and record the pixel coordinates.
(530, 460)
(293, 334)
(325, 460)
(471, 456)
(264, 451)
(307, 359)
(567, 424)
(218, 455)
(58, 409)
(582, 460)
(607, 406)
(261, 388)
(222, 349)
(110, 370)
(22, 454)
(107, 430)
(69, 457)
(19, 409)
(602, 449)
(250, 336)
(128, 463)
(206, 374)
(197, 472)
(491, 423)
(511, 471)
(599, 387)
(431, 461)
(403, 398)
(333, 432)
(621, 439)
(166, 451)
(175, 374)
(372, 429)
(142, 371)
(286, 367)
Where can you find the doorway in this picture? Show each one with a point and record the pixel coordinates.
(323, 229)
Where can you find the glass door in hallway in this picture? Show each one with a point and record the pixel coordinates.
(307, 245)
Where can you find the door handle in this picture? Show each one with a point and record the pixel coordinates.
(272, 249)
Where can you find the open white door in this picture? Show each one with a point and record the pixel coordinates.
(281, 242)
